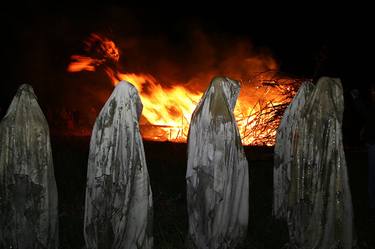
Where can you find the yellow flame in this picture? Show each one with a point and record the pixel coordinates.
(169, 110)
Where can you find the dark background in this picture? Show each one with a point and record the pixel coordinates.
(38, 40)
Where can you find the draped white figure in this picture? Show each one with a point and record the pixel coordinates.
(28, 193)
(286, 137)
(118, 208)
(320, 211)
(217, 171)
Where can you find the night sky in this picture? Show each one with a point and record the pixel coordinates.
(37, 41)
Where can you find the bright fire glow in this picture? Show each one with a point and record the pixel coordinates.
(167, 110)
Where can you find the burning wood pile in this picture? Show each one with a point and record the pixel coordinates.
(259, 126)
(168, 107)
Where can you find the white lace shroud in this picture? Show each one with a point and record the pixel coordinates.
(217, 171)
(118, 209)
(28, 194)
(320, 211)
(286, 136)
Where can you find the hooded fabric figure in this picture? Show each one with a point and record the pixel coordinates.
(118, 210)
(217, 171)
(320, 211)
(28, 194)
(286, 137)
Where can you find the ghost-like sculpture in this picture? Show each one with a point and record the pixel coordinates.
(286, 137)
(118, 208)
(217, 171)
(28, 193)
(320, 213)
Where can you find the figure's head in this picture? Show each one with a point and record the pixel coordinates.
(25, 88)
(230, 88)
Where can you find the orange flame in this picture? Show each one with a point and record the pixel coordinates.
(167, 110)
(104, 48)
(83, 63)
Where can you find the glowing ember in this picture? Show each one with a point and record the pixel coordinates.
(167, 110)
